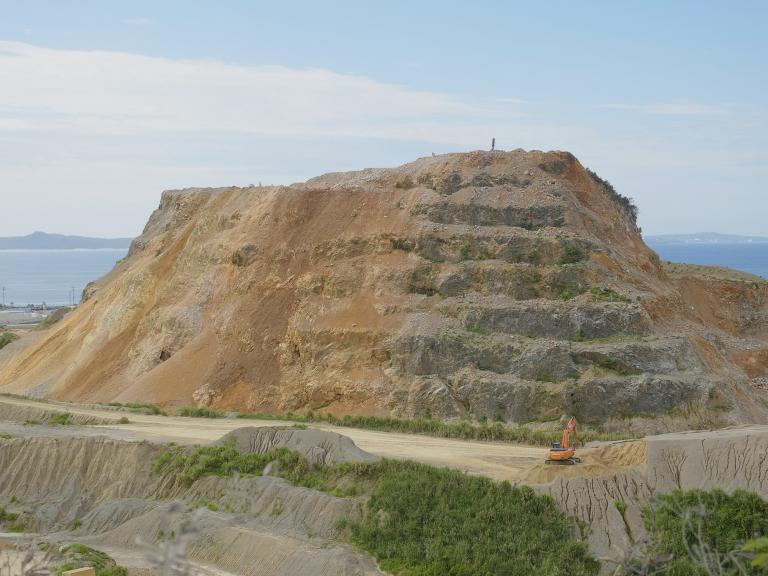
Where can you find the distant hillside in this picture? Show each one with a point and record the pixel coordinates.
(703, 238)
(43, 241)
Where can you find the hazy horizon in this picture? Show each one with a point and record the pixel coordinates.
(104, 107)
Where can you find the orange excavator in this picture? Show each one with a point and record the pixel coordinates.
(562, 452)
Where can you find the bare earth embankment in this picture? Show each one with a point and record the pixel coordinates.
(113, 472)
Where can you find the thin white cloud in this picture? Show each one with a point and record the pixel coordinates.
(669, 108)
(118, 93)
(138, 21)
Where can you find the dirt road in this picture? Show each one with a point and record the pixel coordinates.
(497, 460)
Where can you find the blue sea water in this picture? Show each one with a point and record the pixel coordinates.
(751, 258)
(37, 276)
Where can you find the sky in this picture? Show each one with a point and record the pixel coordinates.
(105, 104)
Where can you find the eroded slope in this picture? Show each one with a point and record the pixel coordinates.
(511, 285)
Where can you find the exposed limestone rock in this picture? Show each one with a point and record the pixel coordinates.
(487, 284)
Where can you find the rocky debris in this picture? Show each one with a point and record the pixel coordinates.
(318, 446)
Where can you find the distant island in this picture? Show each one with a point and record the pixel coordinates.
(703, 238)
(44, 241)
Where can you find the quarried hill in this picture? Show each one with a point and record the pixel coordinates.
(506, 285)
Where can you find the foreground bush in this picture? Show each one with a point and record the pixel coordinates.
(185, 465)
(420, 520)
(700, 532)
(428, 522)
(79, 556)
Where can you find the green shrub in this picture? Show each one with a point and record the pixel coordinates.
(11, 521)
(61, 419)
(600, 294)
(420, 520)
(568, 290)
(6, 516)
(187, 465)
(139, 408)
(404, 244)
(199, 412)
(571, 254)
(690, 530)
(757, 551)
(80, 556)
(626, 205)
(6, 338)
(427, 521)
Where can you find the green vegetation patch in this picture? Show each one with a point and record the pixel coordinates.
(427, 521)
(757, 551)
(80, 556)
(186, 466)
(61, 419)
(464, 429)
(6, 338)
(420, 520)
(626, 205)
(571, 253)
(600, 294)
(11, 521)
(139, 408)
(693, 531)
(199, 412)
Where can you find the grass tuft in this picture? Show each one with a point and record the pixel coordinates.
(139, 408)
(6, 338)
(199, 412)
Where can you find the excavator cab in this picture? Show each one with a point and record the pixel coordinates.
(563, 452)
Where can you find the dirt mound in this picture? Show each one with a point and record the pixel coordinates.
(320, 447)
(601, 460)
(505, 285)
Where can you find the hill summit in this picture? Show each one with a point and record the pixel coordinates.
(502, 285)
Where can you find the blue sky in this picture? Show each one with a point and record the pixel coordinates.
(104, 104)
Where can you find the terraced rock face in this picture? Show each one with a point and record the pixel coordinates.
(511, 285)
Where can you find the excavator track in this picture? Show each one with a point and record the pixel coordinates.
(568, 462)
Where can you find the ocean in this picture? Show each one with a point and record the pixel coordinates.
(51, 276)
(751, 258)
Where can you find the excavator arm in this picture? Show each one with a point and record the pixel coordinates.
(569, 429)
